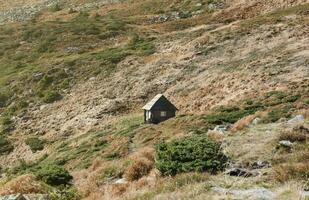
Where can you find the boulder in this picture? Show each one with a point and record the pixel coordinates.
(305, 195)
(252, 194)
(121, 181)
(296, 120)
(221, 128)
(260, 164)
(286, 143)
(256, 121)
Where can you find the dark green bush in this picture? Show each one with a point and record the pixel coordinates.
(112, 55)
(3, 99)
(227, 117)
(141, 46)
(5, 146)
(55, 8)
(191, 154)
(115, 26)
(45, 82)
(46, 45)
(35, 144)
(65, 193)
(7, 124)
(277, 113)
(51, 96)
(54, 175)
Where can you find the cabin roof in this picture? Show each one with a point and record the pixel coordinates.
(156, 100)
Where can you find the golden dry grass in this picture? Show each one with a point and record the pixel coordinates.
(142, 164)
(25, 184)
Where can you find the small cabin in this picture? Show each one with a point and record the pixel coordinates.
(158, 110)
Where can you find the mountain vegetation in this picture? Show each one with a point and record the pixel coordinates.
(74, 76)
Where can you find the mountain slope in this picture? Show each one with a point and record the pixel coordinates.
(73, 76)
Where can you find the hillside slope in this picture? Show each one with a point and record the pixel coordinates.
(75, 74)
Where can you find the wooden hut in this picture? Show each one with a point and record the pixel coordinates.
(158, 110)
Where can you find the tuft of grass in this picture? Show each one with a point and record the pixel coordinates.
(51, 96)
(277, 113)
(3, 99)
(5, 146)
(296, 171)
(35, 144)
(55, 8)
(112, 55)
(7, 124)
(140, 46)
(143, 163)
(136, 46)
(139, 168)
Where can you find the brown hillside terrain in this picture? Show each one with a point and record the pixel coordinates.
(83, 77)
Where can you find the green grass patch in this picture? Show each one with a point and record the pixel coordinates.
(5, 146)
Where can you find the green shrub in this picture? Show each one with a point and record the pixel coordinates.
(46, 45)
(7, 124)
(3, 99)
(55, 8)
(35, 144)
(45, 82)
(112, 55)
(191, 154)
(54, 175)
(110, 172)
(115, 26)
(5, 146)
(51, 96)
(113, 156)
(65, 193)
(141, 46)
(227, 116)
(277, 113)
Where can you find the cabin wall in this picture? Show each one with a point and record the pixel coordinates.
(157, 118)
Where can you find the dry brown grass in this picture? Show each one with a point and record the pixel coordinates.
(215, 135)
(291, 171)
(143, 163)
(25, 184)
(119, 189)
(246, 121)
(298, 133)
(138, 169)
(242, 123)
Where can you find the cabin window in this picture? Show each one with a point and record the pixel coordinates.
(163, 114)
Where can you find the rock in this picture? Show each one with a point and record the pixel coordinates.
(25, 196)
(121, 181)
(296, 120)
(256, 193)
(260, 164)
(305, 195)
(221, 128)
(286, 143)
(43, 106)
(256, 121)
(38, 76)
(239, 172)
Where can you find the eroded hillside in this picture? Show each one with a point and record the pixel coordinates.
(75, 75)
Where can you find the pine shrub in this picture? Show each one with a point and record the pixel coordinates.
(191, 154)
